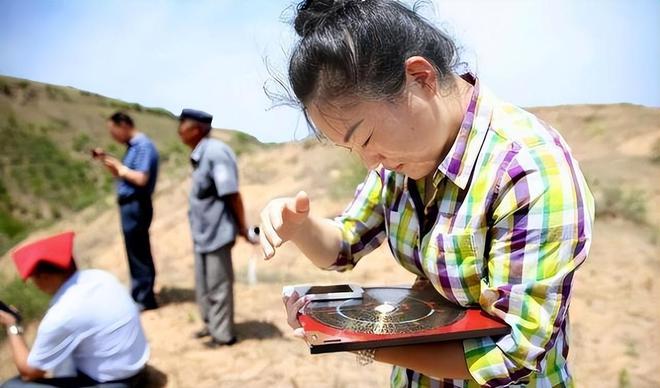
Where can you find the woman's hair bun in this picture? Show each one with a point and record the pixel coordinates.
(311, 13)
(358, 49)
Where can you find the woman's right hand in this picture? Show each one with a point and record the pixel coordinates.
(293, 304)
(281, 220)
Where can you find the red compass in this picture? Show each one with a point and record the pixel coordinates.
(389, 316)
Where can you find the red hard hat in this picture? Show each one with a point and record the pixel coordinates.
(56, 250)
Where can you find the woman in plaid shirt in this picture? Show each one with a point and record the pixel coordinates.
(476, 196)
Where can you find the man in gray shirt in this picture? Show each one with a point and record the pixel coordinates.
(216, 217)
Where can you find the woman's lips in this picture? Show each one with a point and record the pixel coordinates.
(398, 167)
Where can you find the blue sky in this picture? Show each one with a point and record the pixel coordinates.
(209, 54)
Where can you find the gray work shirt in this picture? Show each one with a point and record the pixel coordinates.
(214, 176)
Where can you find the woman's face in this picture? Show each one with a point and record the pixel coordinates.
(409, 136)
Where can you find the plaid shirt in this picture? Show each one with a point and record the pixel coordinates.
(509, 223)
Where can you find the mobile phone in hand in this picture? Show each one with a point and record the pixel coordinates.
(4, 307)
(331, 292)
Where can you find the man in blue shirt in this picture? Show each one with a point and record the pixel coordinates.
(136, 178)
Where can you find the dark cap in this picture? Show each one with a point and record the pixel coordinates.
(196, 115)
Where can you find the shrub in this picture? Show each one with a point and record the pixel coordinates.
(172, 150)
(242, 143)
(5, 88)
(10, 226)
(57, 93)
(82, 142)
(624, 379)
(655, 152)
(160, 112)
(615, 202)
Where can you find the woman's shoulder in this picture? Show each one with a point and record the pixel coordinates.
(516, 125)
(527, 135)
(525, 144)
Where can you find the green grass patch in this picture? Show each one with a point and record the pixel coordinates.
(35, 169)
(616, 202)
(242, 143)
(624, 378)
(12, 230)
(57, 93)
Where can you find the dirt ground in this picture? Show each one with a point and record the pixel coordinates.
(615, 336)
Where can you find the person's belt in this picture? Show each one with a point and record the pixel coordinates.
(133, 197)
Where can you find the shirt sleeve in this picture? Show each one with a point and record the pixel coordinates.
(225, 173)
(541, 233)
(144, 154)
(362, 223)
(56, 340)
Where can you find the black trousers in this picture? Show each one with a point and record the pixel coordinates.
(136, 216)
(81, 380)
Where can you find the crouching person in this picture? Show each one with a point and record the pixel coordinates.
(92, 325)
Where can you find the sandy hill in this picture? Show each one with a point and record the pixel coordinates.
(615, 339)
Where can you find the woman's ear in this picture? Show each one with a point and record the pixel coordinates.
(421, 72)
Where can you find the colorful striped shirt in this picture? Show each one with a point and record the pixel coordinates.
(509, 222)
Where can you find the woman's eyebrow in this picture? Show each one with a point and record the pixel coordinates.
(352, 129)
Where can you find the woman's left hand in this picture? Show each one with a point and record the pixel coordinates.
(293, 305)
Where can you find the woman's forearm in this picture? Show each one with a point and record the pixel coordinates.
(320, 240)
(443, 360)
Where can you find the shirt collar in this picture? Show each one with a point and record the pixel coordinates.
(65, 286)
(135, 139)
(459, 162)
(198, 151)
